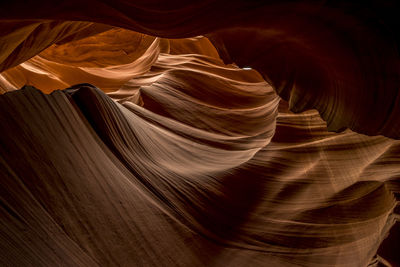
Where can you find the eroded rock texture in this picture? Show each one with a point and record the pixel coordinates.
(125, 147)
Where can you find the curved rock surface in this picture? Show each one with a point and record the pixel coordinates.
(165, 152)
(318, 54)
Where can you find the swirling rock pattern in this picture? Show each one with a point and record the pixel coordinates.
(163, 152)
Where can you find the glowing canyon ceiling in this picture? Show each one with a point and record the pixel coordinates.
(199, 133)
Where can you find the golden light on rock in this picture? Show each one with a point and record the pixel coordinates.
(199, 133)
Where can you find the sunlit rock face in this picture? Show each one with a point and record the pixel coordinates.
(263, 134)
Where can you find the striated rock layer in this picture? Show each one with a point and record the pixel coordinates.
(316, 54)
(163, 152)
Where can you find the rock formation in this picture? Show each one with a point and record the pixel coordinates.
(199, 133)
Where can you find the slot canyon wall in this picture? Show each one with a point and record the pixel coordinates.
(199, 133)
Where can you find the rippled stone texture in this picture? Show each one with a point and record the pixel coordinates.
(158, 153)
